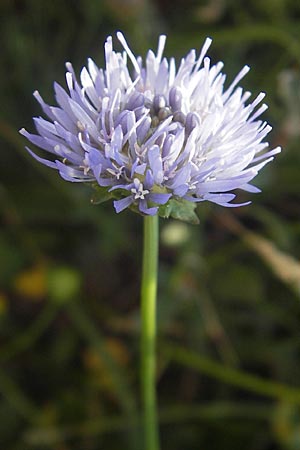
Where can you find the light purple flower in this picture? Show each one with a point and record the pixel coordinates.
(155, 133)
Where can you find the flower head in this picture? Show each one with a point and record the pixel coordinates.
(155, 134)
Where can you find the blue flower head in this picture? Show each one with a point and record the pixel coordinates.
(155, 136)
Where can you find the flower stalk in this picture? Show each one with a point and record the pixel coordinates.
(148, 332)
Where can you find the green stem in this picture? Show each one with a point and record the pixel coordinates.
(148, 332)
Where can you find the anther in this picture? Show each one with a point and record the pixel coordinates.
(80, 126)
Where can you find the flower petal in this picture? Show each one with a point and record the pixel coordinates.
(122, 204)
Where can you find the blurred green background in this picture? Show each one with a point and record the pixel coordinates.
(229, 289)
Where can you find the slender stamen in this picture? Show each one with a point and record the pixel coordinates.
(122, 39)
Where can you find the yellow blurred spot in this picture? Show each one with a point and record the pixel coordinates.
(97, 366)
(31, 283)
(285, 421)
(3, 304)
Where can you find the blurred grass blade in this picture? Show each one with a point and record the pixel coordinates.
(284, 266)
(89, 332)
(231, 376)
(15, 396)
(27, 339)
(179, 414)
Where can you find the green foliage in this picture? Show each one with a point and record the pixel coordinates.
(180, 209)
(100, 195)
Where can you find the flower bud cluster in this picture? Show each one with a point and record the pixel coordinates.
(154, 133)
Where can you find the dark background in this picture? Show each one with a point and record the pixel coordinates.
(229, 289)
